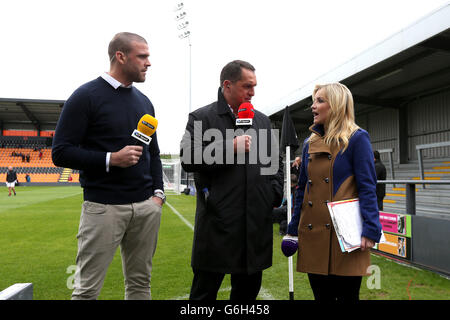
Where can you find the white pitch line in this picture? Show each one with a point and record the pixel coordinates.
(180, 216)
(263, 293)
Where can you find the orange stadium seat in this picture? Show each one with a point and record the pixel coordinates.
(40, 169)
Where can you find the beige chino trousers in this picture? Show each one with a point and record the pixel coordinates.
(102, 229)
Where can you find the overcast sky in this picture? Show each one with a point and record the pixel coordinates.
(48, 48)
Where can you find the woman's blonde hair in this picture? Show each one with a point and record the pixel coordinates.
(340, 124)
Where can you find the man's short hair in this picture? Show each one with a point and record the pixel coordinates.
(294, 179)
(232, 71)
(376, 155)
(122, 42)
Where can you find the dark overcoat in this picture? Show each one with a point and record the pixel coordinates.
(380, 170)
(235, 198)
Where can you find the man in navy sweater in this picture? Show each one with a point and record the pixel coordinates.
(121, 179)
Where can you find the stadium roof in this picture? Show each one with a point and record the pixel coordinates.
(412, 63)
(38, 113)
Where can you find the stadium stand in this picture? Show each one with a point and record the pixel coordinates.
(432, 200)
(31, 155)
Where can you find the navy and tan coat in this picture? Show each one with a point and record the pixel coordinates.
(327, 174)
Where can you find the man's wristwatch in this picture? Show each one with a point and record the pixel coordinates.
(160, 195)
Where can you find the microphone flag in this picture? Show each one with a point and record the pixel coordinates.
(289, 140)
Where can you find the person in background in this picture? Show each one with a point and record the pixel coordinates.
(11, 180)
(280, 213)
(121, 180)
(337, 164)
(295, 169)
(380, 170)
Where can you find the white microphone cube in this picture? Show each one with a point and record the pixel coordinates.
(244, 122)
(141, 137)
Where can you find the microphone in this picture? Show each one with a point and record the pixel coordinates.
(246, 113)
(289, 245)
(146, 127)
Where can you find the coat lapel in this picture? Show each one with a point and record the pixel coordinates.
(319, 145)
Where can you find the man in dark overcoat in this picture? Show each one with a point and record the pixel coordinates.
(239, 180)
(380, 170)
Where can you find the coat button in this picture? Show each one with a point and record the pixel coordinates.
(310, 182)
(327, 226)
(326, 180)
(310, 203)
(310, 226)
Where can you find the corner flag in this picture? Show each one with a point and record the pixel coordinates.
(288, 140)
(288, 135)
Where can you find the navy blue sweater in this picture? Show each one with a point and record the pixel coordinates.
(97, 119)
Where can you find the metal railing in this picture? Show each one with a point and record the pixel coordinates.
(429, 241)
(391, 162)
(421, 147)
(411, 190)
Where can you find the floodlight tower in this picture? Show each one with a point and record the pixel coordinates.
(185, 33)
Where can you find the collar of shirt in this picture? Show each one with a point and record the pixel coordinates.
(113, 82)
(232, 111)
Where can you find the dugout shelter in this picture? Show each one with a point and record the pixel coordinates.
(401, 90)
(26, 132)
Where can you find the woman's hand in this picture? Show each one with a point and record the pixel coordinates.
(366, 243)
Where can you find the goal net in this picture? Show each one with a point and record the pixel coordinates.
(171, 175)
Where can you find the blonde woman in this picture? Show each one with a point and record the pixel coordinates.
(337, 164)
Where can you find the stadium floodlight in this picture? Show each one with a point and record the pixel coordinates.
(184, 34)
(180, 16)
(178, 6)
(183, 25)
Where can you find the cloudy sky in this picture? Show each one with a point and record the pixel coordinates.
(48, 48)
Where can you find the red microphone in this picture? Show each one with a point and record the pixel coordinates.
(246, 113)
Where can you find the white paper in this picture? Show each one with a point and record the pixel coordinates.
(347, 222)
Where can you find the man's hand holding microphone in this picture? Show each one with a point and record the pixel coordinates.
(246, 114)
(129, 155)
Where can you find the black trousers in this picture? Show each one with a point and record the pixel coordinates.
(380, 203)
(205, 285)
(332, 287)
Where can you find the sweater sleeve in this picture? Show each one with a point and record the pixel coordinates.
(70, 131)
(192, 147)
(155, 164)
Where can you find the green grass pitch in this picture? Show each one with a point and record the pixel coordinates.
(38, 244)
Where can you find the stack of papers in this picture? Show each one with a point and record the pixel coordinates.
(347, 222)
